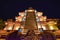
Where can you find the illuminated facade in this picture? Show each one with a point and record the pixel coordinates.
(30, 19)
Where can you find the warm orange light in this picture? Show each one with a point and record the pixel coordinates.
(19, 18)
(41, 19)
(6, 23)
(22, 26)
(44, 28)
(5, 28)
(9, 28)
(51, 28)
(36, 17)
(17, 28)
(30, 10)
(51, 23)
(44, 19)
(39, 26)
(16, 17)
(21, 14)
(24, 17)
(39, 13)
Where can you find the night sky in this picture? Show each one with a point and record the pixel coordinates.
(10, 8)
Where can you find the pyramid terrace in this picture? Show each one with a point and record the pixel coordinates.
(30, 19)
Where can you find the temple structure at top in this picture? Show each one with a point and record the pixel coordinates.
(31, 19)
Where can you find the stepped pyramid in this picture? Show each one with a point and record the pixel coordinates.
(31, 19)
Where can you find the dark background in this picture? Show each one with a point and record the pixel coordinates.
(10, 8)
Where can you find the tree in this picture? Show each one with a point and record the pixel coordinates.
(1, 24)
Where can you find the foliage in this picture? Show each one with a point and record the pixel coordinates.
(1, 24)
